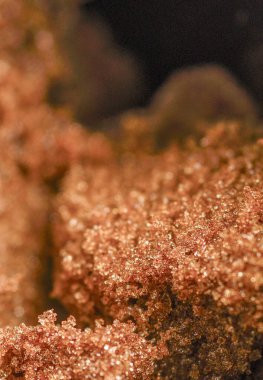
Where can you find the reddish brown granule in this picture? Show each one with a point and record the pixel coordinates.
(174, 243)
(23, 217)
(52, 352)
(188, 102)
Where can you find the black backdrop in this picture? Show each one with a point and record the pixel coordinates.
(168, 34)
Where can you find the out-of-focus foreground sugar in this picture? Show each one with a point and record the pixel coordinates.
(23, 218)
(37, 144)
(24, 73)
(43, 141)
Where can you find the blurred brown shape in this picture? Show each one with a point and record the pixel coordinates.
(185, 106)
(38, 145)
(23, 218)
(103, 78)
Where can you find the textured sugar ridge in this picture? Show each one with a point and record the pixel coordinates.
(173, 243)
(63, 352)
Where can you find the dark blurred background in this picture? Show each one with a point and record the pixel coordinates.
(165, 35)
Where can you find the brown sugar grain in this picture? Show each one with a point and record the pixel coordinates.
(174, 243)
(53, 352)
(166, 249)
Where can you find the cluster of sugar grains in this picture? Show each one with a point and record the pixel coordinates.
(166, 248)
(49, 351)
(174, 243)
(23, 216)
(186, 104)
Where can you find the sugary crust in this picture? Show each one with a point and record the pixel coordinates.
(136, 238)
(172, 242)
(52, 352)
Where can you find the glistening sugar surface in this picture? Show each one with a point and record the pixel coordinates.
(49, 351)
(171, 242)
(174, 243)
